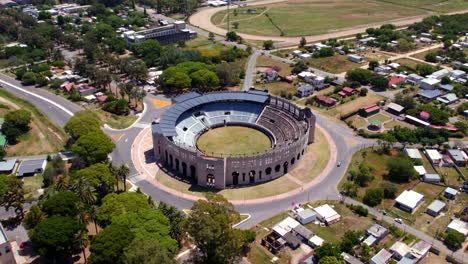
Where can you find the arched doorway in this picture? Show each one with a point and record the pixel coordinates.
(252, 176)
(177, 163)
(235, 178)
(193, 172)
(285, 167)
(184, 169)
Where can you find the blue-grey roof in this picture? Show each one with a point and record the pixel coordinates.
(30, 166)
(405, 260)
(305, 88)
(185, 97)
(451, 191)
(436, 206)
(430, 94)
(7, 165)
(447, 87)
(169, 118)
(432, 176)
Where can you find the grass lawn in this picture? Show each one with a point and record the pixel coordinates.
(408, 62)
(115, 121)
(205, 46)
(349, 221)
(285, 69)
(44, 137)
(395, 123)
(452, 177)
(433, 5)
(354, 105)
(427, 165)
(289, 18)
(31, 185)
(276, 88)
(422, 55)
(357, 121)
(380, 117)
(224, 141)
(311, 165)
(334, 64)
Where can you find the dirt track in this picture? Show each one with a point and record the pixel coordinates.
(202, 19)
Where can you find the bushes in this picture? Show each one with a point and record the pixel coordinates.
(373, 196)
(390, 190)
(360, 210)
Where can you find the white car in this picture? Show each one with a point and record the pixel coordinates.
(399, 220)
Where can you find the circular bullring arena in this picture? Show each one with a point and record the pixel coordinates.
(226, 139)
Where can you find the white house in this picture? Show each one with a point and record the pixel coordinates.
(285, 226)
(306, 216)
(409, 201)
(459, 226)
(308, 77)
(413, 153)
(434, 156)
(355, 58)
(429, 83)
(399, 250)
(327, 214)
(305, 90)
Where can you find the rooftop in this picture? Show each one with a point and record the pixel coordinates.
(433, 154)
(326, 211)
(456, 154)
(409, 198)
(430, 94)
(30, 166)
(382, 257)
(399, 247)
(377, 230)
(451, 191)
(7, 165)
(395, 107)
(436, 206)
(413, 153)
(306, 213)
(459, 225)
(420, 169)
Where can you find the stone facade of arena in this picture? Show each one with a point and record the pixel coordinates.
(290, 128)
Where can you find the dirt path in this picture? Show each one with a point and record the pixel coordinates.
(202, 19)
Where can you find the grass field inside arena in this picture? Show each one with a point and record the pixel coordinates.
(311, 17)
(233, 140)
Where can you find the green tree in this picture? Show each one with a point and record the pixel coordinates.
(204, 79)
(431, 57)
(82, 123)
(98, 175)
(3, 153)
(55, 237)
(148, 252)
(28, 78)
(328, 249)
(445, 80)
(211, 36)
(210, 225)
(228, 73)
(373, 64)
(64, 203)
(350, 239)
(93, 147)
(116, 204)
(330, 260)
(400, 169)
(268, 44)
(108, 246)
(12, 194)
(174, 81)
(373, 196)
(177, 221)
(359, 75)
(454, 239)
(232, 36)
(149, 51)
(390, 190)
(302, 42)
(16, 123)
(33, 217)
(379, 83)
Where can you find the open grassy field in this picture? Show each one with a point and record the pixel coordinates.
(334, 64)
(309, 17)
(285, 69)
(408, 62)
(233, 140)
(351, 106)
(115, 121)
(422, 55)
(276, 88)
(205, 46)
(44, 137)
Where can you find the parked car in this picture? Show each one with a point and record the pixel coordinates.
(399, 220)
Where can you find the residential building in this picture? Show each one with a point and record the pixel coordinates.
(166, 35)
(347, 91)
(440, 74)
(306, 216)
(399, 250)
(450, 193)
(31, 11)
(431, 177)
(305, 56)
(316, 241)
(396, 80)
(419, 250)
(327, 214)
(285, 226)
(7, 166)
(413, 153)
(429, 95)
(459, 226)
(435, 208)
(302, 233)
(377, 231)
(395, 109)
(449, 98)
(429, 83)
(325, 100)
(364, 41)
(414, 79)
(305, 91)
(383, 69)
(6, 254)
(370, 241)
(458, 157)
(31, 167)
(369, 110)
(409, 201)
(383, 257)
(355, 58)
(446, 87)
(434, 156)
(349, 259)
(307, 76)
(420, 170)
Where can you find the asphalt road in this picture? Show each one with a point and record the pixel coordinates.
(57, 108)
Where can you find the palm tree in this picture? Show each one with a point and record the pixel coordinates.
(114, 170)
(92, 212)
(85, 190)
(83, 239)
(61, 184)
(123, 171)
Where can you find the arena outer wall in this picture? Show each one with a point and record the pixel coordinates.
(222, 172)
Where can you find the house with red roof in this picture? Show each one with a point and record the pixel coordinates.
(325, 100)
(369, 110)
(424, 115)
(101, 98)
(66, 87)
(394, 81)
(347, 91)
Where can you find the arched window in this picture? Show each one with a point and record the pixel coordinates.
(268, 171)
(277, 168)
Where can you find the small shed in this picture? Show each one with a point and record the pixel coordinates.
(431, 177)
(420, 170)
(7, 166)
(395, 109)
(316, 241)
(450, 193)
(306, 216)
(435, 208)
(413, 153)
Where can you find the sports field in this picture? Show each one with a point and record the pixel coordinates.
(233, 140)
(312, 17)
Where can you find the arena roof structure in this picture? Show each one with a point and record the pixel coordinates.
(188, 101)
